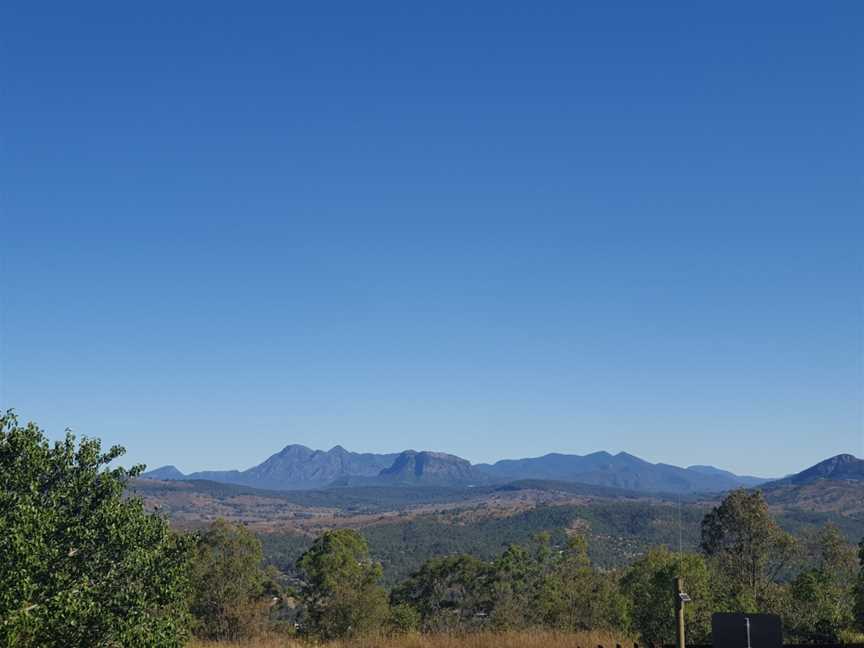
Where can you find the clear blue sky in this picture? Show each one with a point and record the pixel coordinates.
(497, 229)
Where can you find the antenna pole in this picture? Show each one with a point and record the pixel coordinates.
(679, 613)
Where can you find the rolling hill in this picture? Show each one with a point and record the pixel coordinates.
(622, 470)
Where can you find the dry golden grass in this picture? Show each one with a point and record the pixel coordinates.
(523, 639)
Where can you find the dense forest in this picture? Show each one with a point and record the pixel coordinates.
(86, 565)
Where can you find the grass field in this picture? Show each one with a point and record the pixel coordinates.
(526, 639)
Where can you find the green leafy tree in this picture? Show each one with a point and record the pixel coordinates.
(449, 593)
(822, 602)
(228, 583)
(648, 584)
(519, 579)
(748, 550)
(342, 592)
(575, 596)
(403, 619)
(515, 587)
(80, 564)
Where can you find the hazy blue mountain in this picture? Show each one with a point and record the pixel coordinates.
(297, 467)
(550, 466)
(225, 476)
(427, 467)
(747, 481)
(165, 473)
(622, 471)
(843, 467)
(833, 485)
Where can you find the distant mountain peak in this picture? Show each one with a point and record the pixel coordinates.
(839, 467)
(835, 484)
(430, 467)
(440, 455)
(167, 473)
(294, 448)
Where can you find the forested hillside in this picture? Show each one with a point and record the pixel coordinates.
(617, 533)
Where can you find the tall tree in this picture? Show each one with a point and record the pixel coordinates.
(228, 583)
(575, 596)
(450, 593)
(515, 588)
(80, 564)
(822, 604)
(648, 586)
(747, 547)
(342, 592)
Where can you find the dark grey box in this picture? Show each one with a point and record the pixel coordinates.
(733, 630)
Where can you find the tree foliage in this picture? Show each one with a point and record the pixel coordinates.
(519, 575)
(575, 596)
(823, 596)
(449, 593)
(748, 549)
(342, 592)
(82, 565)
(648, 587)
(521, 588)
(228, 583)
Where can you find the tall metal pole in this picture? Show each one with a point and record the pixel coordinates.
(679, 613)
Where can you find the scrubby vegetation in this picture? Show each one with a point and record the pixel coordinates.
(511, 639)
(84, 565)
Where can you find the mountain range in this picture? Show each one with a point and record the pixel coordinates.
(297, 467)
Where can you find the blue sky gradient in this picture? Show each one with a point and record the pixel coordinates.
(495, 229)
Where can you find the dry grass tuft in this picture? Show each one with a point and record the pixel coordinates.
(521, 639)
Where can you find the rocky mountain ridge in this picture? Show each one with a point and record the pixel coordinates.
(297, 467)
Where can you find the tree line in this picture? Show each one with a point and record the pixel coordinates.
(83, 564)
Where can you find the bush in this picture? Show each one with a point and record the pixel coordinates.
(403, 619)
